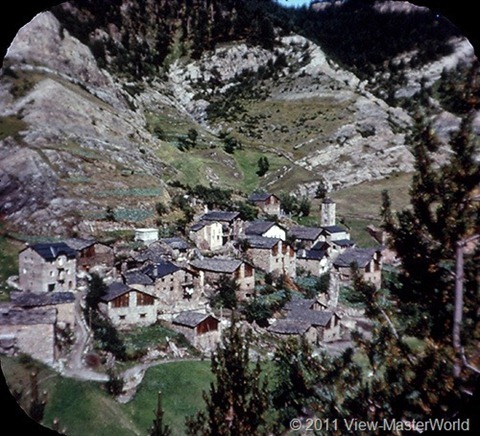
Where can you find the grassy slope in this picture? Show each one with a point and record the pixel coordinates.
(358, 206)
(8, 262)
(85, 407)
(181, 385)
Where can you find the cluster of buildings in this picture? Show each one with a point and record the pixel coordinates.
(172, 279)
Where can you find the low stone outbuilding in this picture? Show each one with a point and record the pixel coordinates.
(202, 330)
(49, 267)
(126, 306)
(29, 331)
(63, 302)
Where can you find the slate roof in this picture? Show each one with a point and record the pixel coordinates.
(160, 269)
(79, 244)
(51, 251)
(155, 253)
(344, 243)
(116, 289)
(260, 242)
(200, 225)
(327, 200)
(31, 299)
(360, 256)
(334, 229)
(299, 304)
(191, 319)
(217, 215)
(321, 246)
(311, 254)
(259, 227)
(314, 317)
(137, 277)
(288, 326)
(176, 243)
(260, 196)
(10, 315)
(305, 233)
(218, 265)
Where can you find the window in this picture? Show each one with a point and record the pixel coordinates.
(51, 287)
(122, 317)
(248, 270)
(143, 315)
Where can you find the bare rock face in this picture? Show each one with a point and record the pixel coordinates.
(76, 138)
(43, 42)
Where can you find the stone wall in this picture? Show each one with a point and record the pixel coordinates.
(36, 340)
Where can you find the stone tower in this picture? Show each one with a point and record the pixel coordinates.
(328, 212)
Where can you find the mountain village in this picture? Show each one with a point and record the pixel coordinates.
(173, 280)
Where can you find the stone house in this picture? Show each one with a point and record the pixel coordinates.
(91, 253)
(265, 229)
(176, 288)
(314, 261)
(207, 235)
(367, 260)
(126, 306)
(305, 237)
(268, 203)
(232, 224)
(202, 330)
(48, 268)
(210, 270)
(30, 331)
(271, 255)
(310, 318)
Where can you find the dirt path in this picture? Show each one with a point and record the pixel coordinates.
(75, 367)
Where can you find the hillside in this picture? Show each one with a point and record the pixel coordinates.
(105, 106)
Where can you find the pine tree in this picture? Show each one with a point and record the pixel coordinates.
(158, 428)
(238, 399)
(96, 290)
(297, 374)
(426, 235)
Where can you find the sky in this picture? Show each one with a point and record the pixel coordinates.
(294, 2)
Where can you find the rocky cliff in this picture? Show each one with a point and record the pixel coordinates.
(79, 134)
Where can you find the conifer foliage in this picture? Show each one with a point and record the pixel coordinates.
(238, 398)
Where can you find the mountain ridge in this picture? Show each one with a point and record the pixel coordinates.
(95, 140)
